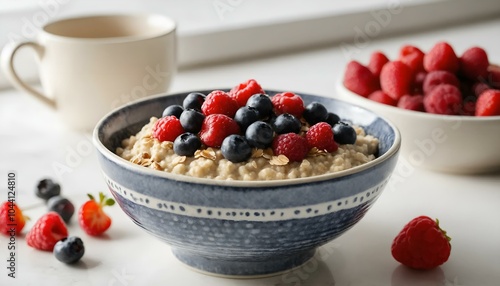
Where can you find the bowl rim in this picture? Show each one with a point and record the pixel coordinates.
(393, 150)
(341, 89)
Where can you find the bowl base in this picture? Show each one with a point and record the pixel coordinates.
(243, 269)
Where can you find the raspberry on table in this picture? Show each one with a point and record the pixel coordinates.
(444, 99)
(436, 78)
(292, 145)
(288, 102)
(488, 103)
(243, 91)
(359, 79)
(219, 102)
(441, 57)
(320, 135)
(412, 57)
(412, 102)
(215, 128)
(9, 222)
(377, 62)
(474, 64)
(47, 231)
(421, 244)
(167, 128)
(396, 79)
(382, 97)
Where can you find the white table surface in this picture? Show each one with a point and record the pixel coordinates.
(33, 141)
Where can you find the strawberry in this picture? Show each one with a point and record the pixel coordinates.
(12, 220)
(422, 244)
(92, 218)
(47, 231)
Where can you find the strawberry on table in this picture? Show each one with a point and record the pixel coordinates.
(422, 244)
(47, 231)
(11, 218)
(91, 217)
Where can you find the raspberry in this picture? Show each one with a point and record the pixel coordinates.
(469, 106)
(215, 128)
(421, 244)
(47, 231)
(320, 135)
(412, 57)
(382, 97)
(243, 91)
(441, 57)
(359, 79)
(412, 102)
(474, 64)
(436, 78)
(418, 82)
(288, 102)
(494, 76)
(292, 145)
(219, 102)
(396, 79)
(444, 99)
(488, 103)
(479, 87)
(167, 128)
(377, 62)
(11, 218)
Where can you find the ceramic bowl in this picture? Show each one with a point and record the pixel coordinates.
(454, 144)
(238, 227)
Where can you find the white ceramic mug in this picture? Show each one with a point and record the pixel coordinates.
(90, 65)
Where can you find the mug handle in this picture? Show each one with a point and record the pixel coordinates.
(7, 61)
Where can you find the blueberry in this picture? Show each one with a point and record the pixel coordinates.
(174, 110)
(191, 120)
(69, 249)
(47, 189)
(62, 206)
(236, 148)
(194, 100)
(332, 119)
(245, 116)
(186, 144)
(260, 134)
(344, 133)
(263, 104)
(315, 112)
(286, 123)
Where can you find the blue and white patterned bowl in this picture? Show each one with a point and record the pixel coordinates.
(238, 227)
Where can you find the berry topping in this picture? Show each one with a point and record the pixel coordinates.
(219, 102)
(332, 119)
(343, 133)
(47, 188)
(292, 145)
(441, 57)
(320, 136)
(263, 104)
(92, 219)
(69, 250)
(315, 112)
(474, 64)
(412, 102)
(235, 148)
(421, 244)
(215, 128)
(12, 220)
(488, 103)
(173, 110)
(167, 128)
(260, 134)
(382, 97)
(243, 91)
(360, 79)
(191, 120)
(412, 57)
(194, 100)
(47, 231)
(245, 116)
(377, 62)
(288, 102)
(444, 99)
(286, 123)
(396, 79)
(436, 78)
(62, 206)
(186, 144)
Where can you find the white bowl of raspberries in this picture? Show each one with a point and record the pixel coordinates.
(447, 106)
